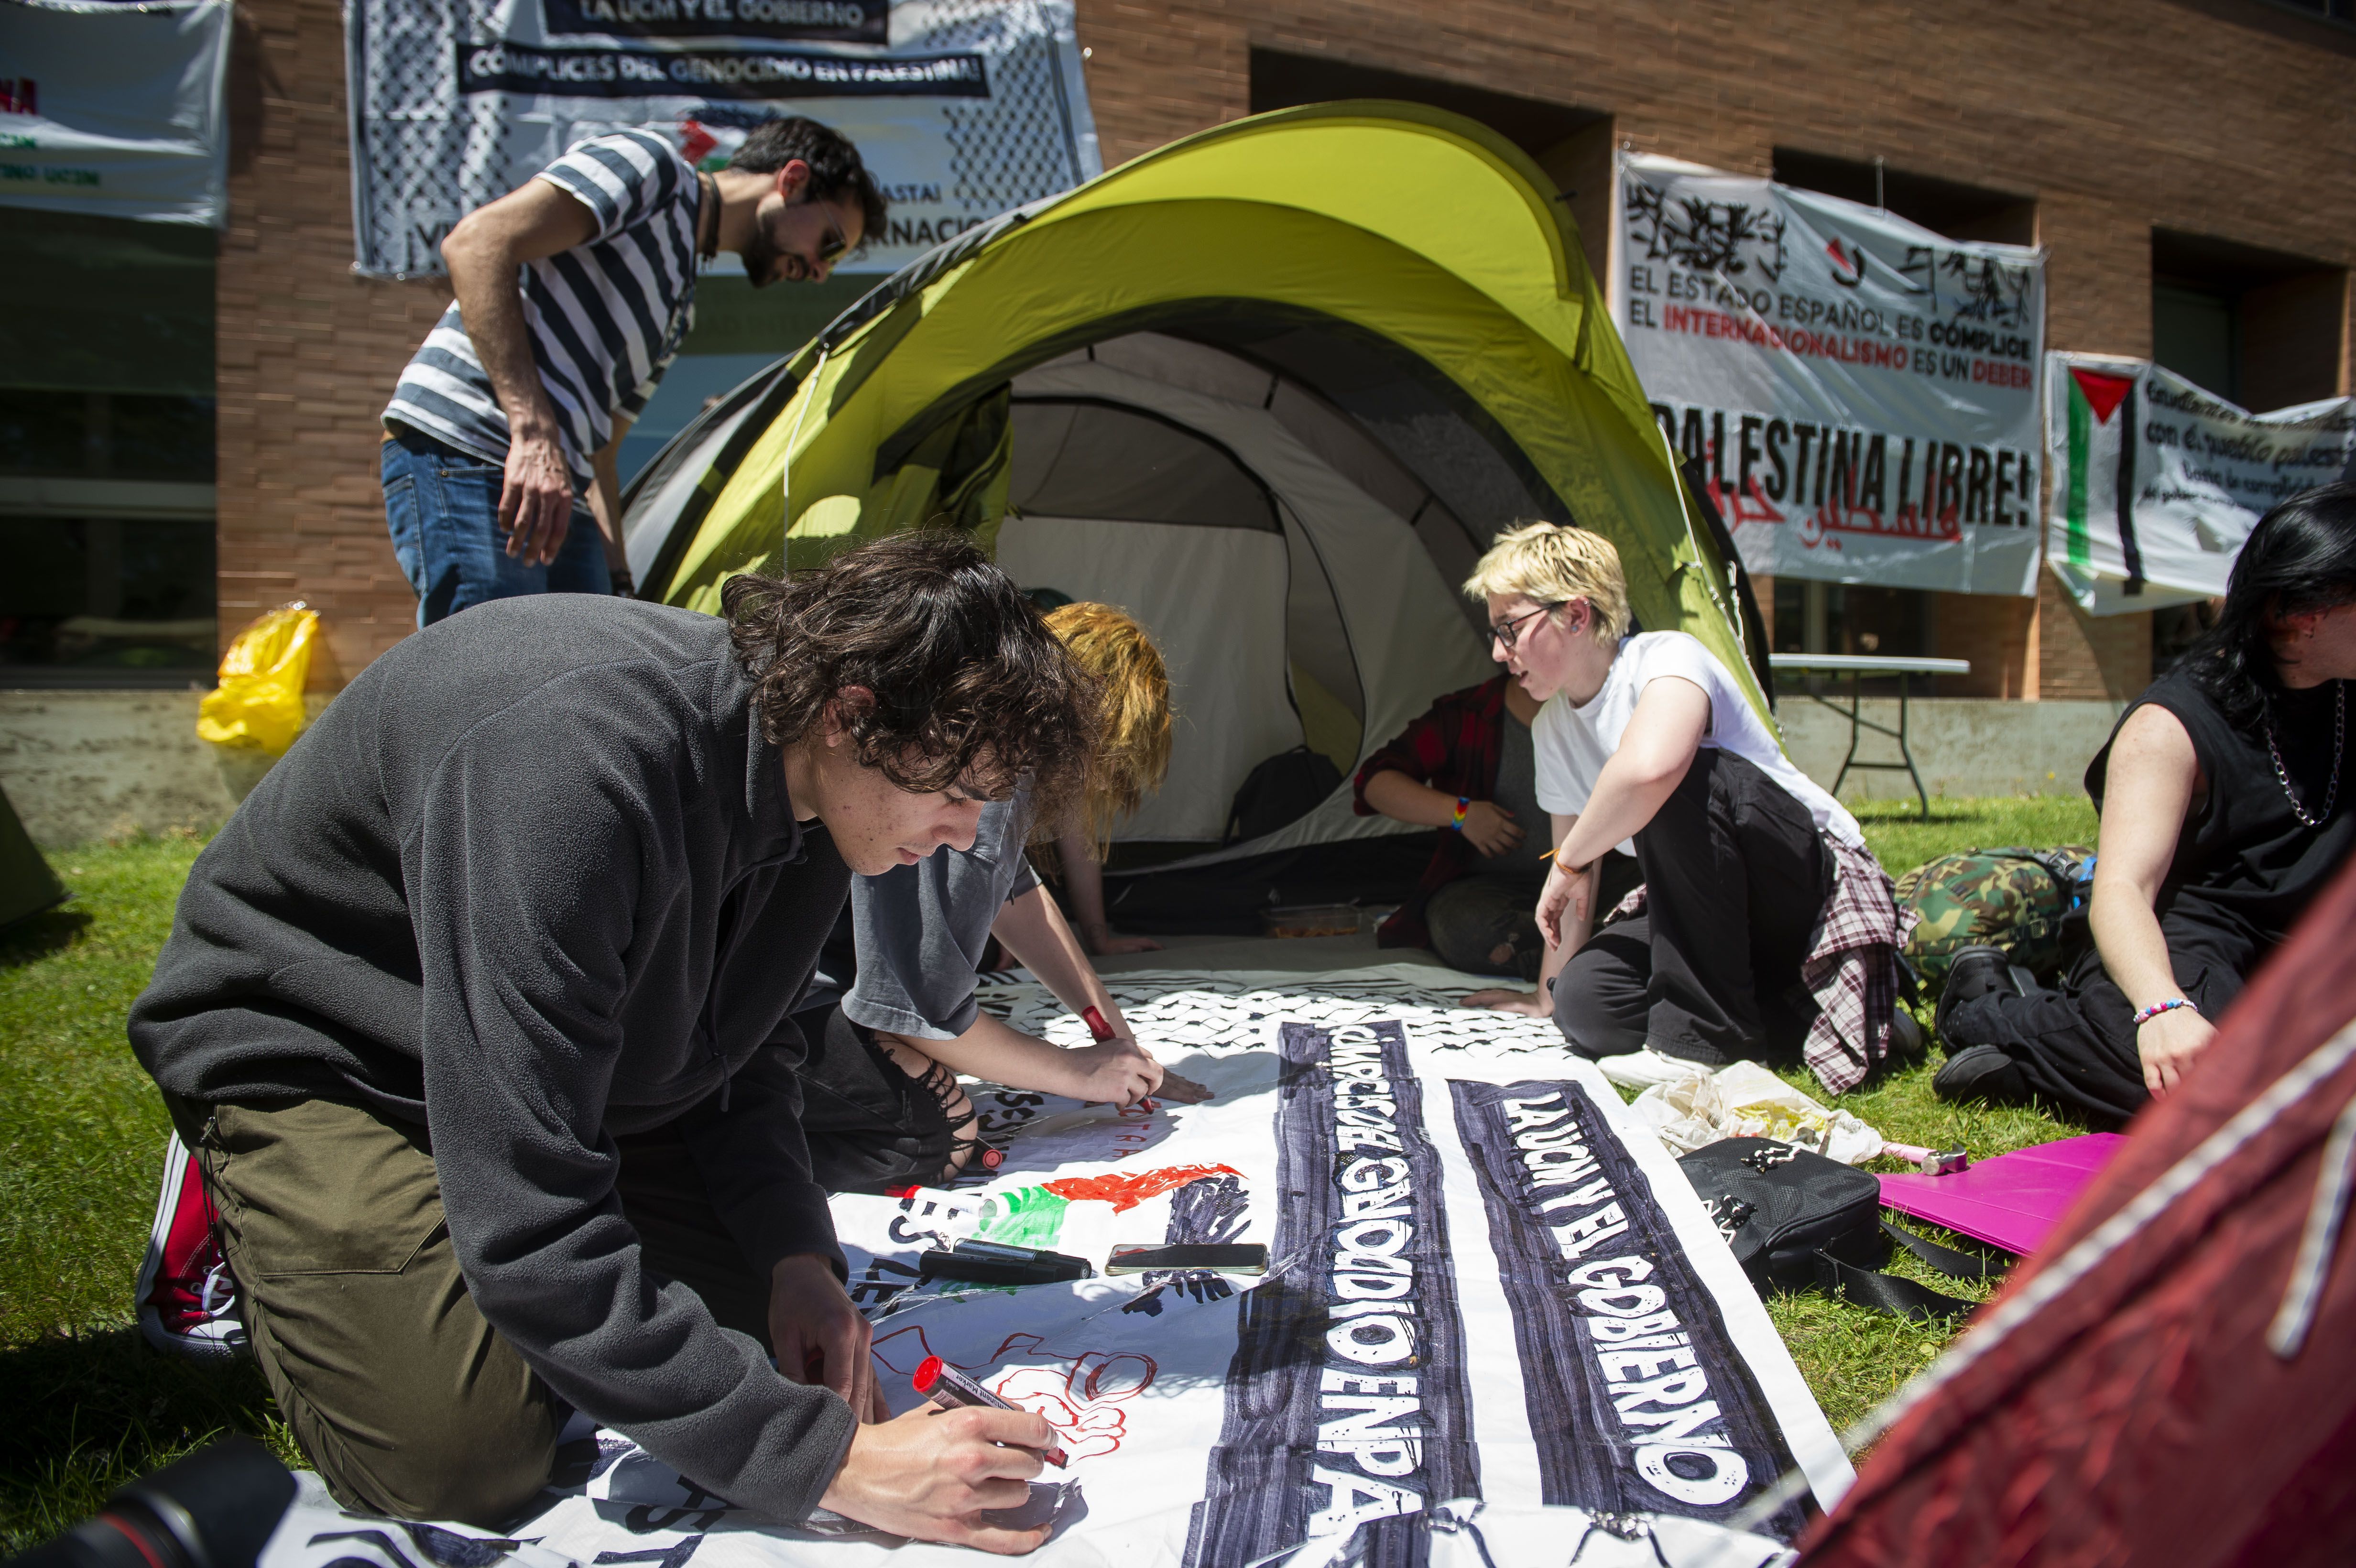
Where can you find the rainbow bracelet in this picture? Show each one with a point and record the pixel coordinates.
(1463, 804)
(2156, 1008)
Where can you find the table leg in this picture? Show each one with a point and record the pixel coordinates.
(1907, 752)
(1855, 707)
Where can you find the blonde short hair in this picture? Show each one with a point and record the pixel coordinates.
(1551, 565)
(1132, 754)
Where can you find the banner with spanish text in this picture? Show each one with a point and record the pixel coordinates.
(1860, 391)
(1495, 1325)
(115, 111)
(960, 108)
(2157, 482)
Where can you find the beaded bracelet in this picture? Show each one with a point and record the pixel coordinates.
(1463, 804)
(2156, 1008)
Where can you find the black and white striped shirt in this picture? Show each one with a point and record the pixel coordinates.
(605, 317)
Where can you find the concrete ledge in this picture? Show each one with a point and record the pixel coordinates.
(1961, 745)
(79, 765)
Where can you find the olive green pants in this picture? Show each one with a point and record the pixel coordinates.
(408, 1402)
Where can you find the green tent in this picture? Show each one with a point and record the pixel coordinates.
(27, 886)
(1272, 388)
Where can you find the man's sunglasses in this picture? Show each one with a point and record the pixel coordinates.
(1510, 632)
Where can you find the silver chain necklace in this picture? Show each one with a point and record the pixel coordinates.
(2338, 740)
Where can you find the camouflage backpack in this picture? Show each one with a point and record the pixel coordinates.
(2015, 899)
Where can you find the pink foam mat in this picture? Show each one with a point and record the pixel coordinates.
(2012, 1201)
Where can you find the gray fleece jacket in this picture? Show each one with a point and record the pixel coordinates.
(533, 880)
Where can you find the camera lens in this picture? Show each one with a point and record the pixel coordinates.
(216, 1509)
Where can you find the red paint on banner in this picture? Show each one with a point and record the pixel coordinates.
(1127, 1189)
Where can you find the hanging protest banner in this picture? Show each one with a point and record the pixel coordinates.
(960, 108)
(1860, 391)
(1495, 1323)
(2157, 482)
(115, 111)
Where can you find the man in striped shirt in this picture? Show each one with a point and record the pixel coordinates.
(573, 294)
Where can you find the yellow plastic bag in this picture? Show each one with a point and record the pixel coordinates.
(259, 705)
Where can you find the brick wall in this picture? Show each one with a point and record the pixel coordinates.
(2223, 117)
(307, 350)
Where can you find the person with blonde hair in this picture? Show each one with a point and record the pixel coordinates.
(893, 1018)
(1766, 928)
(1132, 756)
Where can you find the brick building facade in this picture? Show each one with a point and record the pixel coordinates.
(2201, 143)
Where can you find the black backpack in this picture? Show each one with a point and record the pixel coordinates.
(1796, 1219)
(1285, 788)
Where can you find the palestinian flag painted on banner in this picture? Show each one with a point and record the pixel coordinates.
(2100, 421)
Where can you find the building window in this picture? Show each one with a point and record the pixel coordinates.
(2257, 327)
(2342, 11)
(1944, 207)
(1853, 618)
(106, 452)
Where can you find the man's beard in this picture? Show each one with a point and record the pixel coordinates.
(760, 257)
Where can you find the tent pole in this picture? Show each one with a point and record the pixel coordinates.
(785, 468)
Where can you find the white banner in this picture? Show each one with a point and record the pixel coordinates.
(1496, 1325)
(116, 110)
(1861, 392)
(960, 108)
(2157, 482)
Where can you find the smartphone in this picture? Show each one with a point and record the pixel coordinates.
(1243, 1257)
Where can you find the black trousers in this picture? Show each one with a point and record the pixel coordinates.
(2076, 1045)
(1735, 879)
(870, 1125)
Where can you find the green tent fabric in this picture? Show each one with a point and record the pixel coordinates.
(27, 886)
(1336, 246)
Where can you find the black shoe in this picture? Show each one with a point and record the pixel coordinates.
(1907, 1045)
(1981, 1072)
(1974, 972)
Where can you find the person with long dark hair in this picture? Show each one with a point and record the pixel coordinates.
(2225, 807)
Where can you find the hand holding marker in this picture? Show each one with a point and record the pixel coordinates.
(1184, 1091)
(952, 1390)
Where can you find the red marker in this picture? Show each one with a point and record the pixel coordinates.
(1184, 1091)
(952, 1390)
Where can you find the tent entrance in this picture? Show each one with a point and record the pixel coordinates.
(1269, 543)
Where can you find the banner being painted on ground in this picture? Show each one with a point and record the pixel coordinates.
(960, 108)
(116, 110)
(1496, 1325)
(1860, 391)
(2157, 482)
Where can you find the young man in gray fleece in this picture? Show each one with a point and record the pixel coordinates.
(477, 1015)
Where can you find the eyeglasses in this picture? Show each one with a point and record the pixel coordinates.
(830, 248)
(1510, 632)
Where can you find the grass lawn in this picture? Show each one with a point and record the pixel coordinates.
(81, 1135)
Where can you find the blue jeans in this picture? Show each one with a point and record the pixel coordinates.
(443, 507)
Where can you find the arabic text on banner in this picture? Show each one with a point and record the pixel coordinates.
(2157, 482)
(1860, 391)
(960, 108)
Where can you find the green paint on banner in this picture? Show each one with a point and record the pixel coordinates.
(2079, 552)
(1026, 1217)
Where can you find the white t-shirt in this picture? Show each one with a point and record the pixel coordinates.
(1573, 743)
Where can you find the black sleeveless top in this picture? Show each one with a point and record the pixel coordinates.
(2245, 863)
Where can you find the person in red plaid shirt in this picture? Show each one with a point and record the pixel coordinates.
(1466, 767)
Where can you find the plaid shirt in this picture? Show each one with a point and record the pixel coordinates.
(1851, 968)
(1453, 749)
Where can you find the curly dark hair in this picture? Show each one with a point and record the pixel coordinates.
(835, 166)
(970, 685)
(2301, 557)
